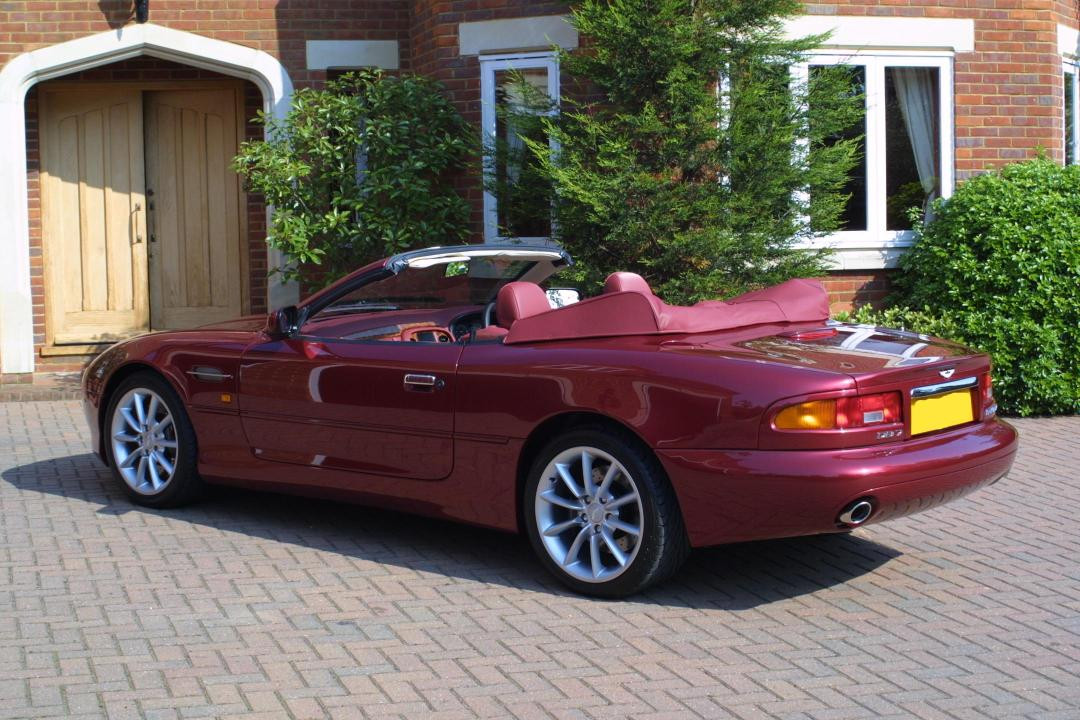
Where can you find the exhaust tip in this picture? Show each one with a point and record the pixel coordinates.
(856, 513)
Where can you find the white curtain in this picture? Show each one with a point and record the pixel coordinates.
(917, 93)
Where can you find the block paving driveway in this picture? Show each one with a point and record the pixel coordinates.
(254, 605)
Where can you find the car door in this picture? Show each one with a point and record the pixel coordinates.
(380, 408)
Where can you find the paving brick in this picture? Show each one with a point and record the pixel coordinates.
(254, 605)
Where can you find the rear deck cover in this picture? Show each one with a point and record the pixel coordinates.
(636, 313)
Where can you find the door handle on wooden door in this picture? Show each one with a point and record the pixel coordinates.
(135, 219)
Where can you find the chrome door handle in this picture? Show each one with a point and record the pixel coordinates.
(426, 382)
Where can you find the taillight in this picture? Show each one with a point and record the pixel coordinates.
(813, 415)
(846, 413)
(864, 410)
(989, 405)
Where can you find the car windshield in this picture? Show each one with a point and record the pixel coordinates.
(468, 281)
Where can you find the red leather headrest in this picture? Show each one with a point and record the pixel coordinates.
(518, 300)
(626, 282)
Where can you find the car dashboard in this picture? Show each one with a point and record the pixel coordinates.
(442, 325)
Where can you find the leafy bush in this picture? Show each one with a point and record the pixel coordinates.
(360, 170)
(653, 173)
(999, 269)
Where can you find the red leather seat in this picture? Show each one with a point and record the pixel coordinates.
(519, 300)
(626, 282)
(515, 300)
(619, 282)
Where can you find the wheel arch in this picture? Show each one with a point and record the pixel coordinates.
(557, 425)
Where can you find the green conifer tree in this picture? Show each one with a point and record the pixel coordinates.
(693, 154)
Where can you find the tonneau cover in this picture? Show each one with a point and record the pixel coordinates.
(636, 313)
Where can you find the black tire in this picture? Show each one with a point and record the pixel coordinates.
(185, 485)
(663, 545)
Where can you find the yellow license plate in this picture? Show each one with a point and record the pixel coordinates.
(941, 411)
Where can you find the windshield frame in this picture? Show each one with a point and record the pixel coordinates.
(549, 259)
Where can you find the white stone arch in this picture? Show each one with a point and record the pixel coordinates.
(23, 72)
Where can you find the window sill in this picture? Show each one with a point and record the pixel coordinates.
(864, 250)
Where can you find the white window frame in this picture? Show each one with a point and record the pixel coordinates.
(489, 65)
(877, 246)
(1070, 65)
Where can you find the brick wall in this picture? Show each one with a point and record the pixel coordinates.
(849, 289)
(33, 202)
(278, 27)
(1066, 13)
(256, 211)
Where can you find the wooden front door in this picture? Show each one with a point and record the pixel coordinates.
(93, 224)
(194, 207)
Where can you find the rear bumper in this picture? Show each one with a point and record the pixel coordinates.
(732, 496)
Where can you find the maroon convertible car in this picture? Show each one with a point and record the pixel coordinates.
(616, 432)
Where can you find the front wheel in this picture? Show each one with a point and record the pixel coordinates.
(601, 515)
(151, 443)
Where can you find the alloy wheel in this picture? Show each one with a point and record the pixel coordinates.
(589, 514)
(144, 441)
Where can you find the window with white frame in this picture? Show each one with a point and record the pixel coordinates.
(907, 147)
(502, 81)
(1071, 123)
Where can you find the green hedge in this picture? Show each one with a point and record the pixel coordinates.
(999, 269)
(360, 170)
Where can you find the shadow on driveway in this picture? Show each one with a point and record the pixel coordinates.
(731, 577)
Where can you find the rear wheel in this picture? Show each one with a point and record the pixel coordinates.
(601, 514)
(151, 443)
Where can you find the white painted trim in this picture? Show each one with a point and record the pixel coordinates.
(877, 247)
(865, 250)
(1068, 40)
(346, 54)
(1071, 67)
(489, 65)
(23, 71)
(855, 32)
(540, 32)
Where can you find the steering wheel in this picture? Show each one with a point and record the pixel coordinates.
(437, 334)
(489, 311)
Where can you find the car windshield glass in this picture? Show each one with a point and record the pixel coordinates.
(473, 281)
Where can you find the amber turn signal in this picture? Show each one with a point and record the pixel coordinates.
(813, 415)
(845, 413)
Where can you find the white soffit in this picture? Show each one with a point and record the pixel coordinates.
(528, 33)
(957, 35)
(324, 54)
(1068, 40)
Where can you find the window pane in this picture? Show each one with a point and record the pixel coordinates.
(853, 216)
(1070, 119)
(912, 148)
(524, 199)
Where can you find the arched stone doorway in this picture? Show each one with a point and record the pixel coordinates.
(21, 73)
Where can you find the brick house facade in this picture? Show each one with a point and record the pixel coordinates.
(991, 82)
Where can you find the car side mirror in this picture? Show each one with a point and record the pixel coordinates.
(283, 322)
(561, 297)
